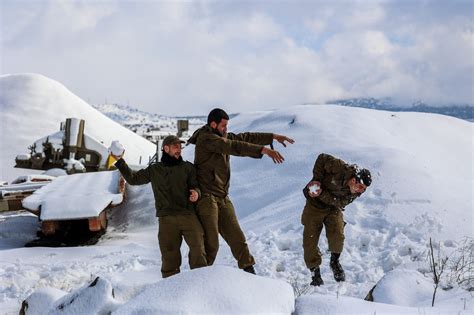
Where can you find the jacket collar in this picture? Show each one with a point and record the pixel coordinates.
(168, 160)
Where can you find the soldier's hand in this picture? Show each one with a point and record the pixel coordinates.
(193, 195)
(274, 155)
(118, 157)
(282, 139)
(314, 193)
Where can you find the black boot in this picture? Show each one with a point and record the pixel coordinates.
(249, 269)
(336, 268)
(316, 279)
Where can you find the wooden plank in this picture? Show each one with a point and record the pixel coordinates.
(49, 227)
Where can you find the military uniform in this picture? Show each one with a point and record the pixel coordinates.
(171, 179)
(326, 209)
(215, 209)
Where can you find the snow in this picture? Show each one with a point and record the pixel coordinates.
(73, 164)
(213, 290)
(76, 196)
(323, 304)
(314, 188)
(32, 179)
(116, 148)
(421, 166)
(41, 300)
(74, 132)
(404, 287)
(33, 106)
(56, 139)
(55, 172)
(23, 157)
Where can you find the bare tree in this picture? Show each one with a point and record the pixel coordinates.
(299, 288)
(461, 265)
(440, 263)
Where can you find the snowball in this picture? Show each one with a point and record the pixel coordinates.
(116, 148)
(314, 188)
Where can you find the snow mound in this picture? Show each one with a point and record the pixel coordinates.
(404, 287)
(33, 106)
(213, 290)
(39, 302)
(96, 297)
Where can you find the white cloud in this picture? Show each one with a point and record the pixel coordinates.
(179, 57)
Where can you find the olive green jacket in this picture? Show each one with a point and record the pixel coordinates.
(212, 156)
(170, 184)
(333, 174)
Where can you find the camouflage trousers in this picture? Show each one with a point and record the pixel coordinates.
(313, 220)
(171, 231)
(217, 216)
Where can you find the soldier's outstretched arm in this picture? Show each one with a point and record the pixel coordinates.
(274, 155)
(140, 177)
(281, 139)
(215, 143)
(262, 138)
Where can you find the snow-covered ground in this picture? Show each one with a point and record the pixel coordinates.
(423, 187)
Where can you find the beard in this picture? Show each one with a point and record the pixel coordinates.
(216, 131)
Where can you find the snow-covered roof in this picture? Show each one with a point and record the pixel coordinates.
(93, 144)
(76, 196)
(56, 139)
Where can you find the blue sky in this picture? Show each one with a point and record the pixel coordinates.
(181, 57)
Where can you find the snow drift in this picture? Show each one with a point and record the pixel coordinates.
(210, 290)
(213, 290)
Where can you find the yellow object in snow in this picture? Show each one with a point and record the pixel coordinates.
(110, 161)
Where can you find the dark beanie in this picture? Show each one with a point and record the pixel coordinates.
(363, 176)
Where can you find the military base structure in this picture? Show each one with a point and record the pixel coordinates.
(69, 148)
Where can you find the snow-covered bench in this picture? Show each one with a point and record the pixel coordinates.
(75, 197)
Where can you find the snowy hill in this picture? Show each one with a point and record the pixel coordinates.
(33, 106)
(422, 188)
(421, 164)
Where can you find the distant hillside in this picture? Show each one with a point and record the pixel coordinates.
(462, 111)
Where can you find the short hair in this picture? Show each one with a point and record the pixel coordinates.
(216, 115)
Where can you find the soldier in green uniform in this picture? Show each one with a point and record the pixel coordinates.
(334, 185)
(176, 191)
(213, 148)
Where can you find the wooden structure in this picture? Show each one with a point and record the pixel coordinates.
(59, 205)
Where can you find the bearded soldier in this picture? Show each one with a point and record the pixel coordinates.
(214, 146)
